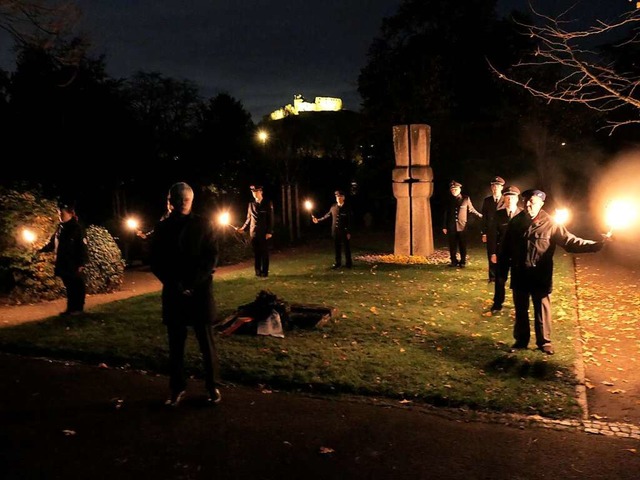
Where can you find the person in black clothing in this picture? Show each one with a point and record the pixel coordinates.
(340, 229)
(528, 247)
(184, 254)
(260, 223)
(498, 227)
(490, 205)
(456, 215)
(69, 242)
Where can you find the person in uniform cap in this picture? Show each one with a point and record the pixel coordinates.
(260, 220)
(490, 205)
(497, 229)
(341, 218)
(456, 215)
(69, 242)
(184, 255)
(527, 250)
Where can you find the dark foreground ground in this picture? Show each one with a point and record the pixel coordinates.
(68, 421)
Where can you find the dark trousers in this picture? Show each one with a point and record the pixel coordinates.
(493, 268)
(76, 292)
(260, 247)
(541, 317)
(457, 241)
(177, 334)
(338, 241)
(499, 291)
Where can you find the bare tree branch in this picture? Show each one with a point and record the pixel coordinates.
(586, 76)
(45, 24)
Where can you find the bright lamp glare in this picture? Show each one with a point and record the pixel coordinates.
(561, 216)
(308, 204)
(620, 214)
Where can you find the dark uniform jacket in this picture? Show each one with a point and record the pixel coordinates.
(184, 254)
(70, 244)
(340, 219)
(528, 248)
(456, 213)
(259, 218)
(498, 229)
(488, 210)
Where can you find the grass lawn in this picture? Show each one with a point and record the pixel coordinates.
(409, 332)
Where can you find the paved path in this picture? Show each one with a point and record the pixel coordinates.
(69, 421)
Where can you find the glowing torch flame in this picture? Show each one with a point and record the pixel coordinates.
(620, 214)
(132, 224)
(561, 217)
(308, 204)
(224, 219)
(28, 235)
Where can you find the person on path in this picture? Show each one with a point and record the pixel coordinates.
(260, 220)
(490, 206)
(69, 242)
(529, 243)
(341, 219)
(184, 254)
(456, 216)
(498, 227)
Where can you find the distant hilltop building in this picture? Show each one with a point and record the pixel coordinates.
(321, 104)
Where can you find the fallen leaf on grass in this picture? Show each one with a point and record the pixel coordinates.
(69, 433)
(632, 450)
(616, 390)
(326, 450)
(405, 401)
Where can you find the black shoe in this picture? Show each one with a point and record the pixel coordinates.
(452, 265)
(547, 349)
(491, 280)
(495, 308)
(335, 265)
(214, 396)
(349, 265)
(518, 346)
(462, 265)
(175, 399)
(71, 313)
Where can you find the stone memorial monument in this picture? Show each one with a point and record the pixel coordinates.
(412, 186)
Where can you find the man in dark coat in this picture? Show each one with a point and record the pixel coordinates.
(497, 229)
(528, 247)
(456, 215)
(490, 205)
(340, 229)
(70, 244)
(260, 222)
(184, 255)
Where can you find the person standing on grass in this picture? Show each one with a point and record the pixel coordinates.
(69, 242)
(529, 244)
(456, 215)
(498, 227)
(260, 220)
(184, 254)
(340, 215)
(490, 206)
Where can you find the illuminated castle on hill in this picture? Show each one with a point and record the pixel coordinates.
(321, 104)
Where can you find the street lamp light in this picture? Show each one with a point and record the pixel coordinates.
(263, 136)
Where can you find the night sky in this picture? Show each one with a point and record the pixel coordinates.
(262, 52)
